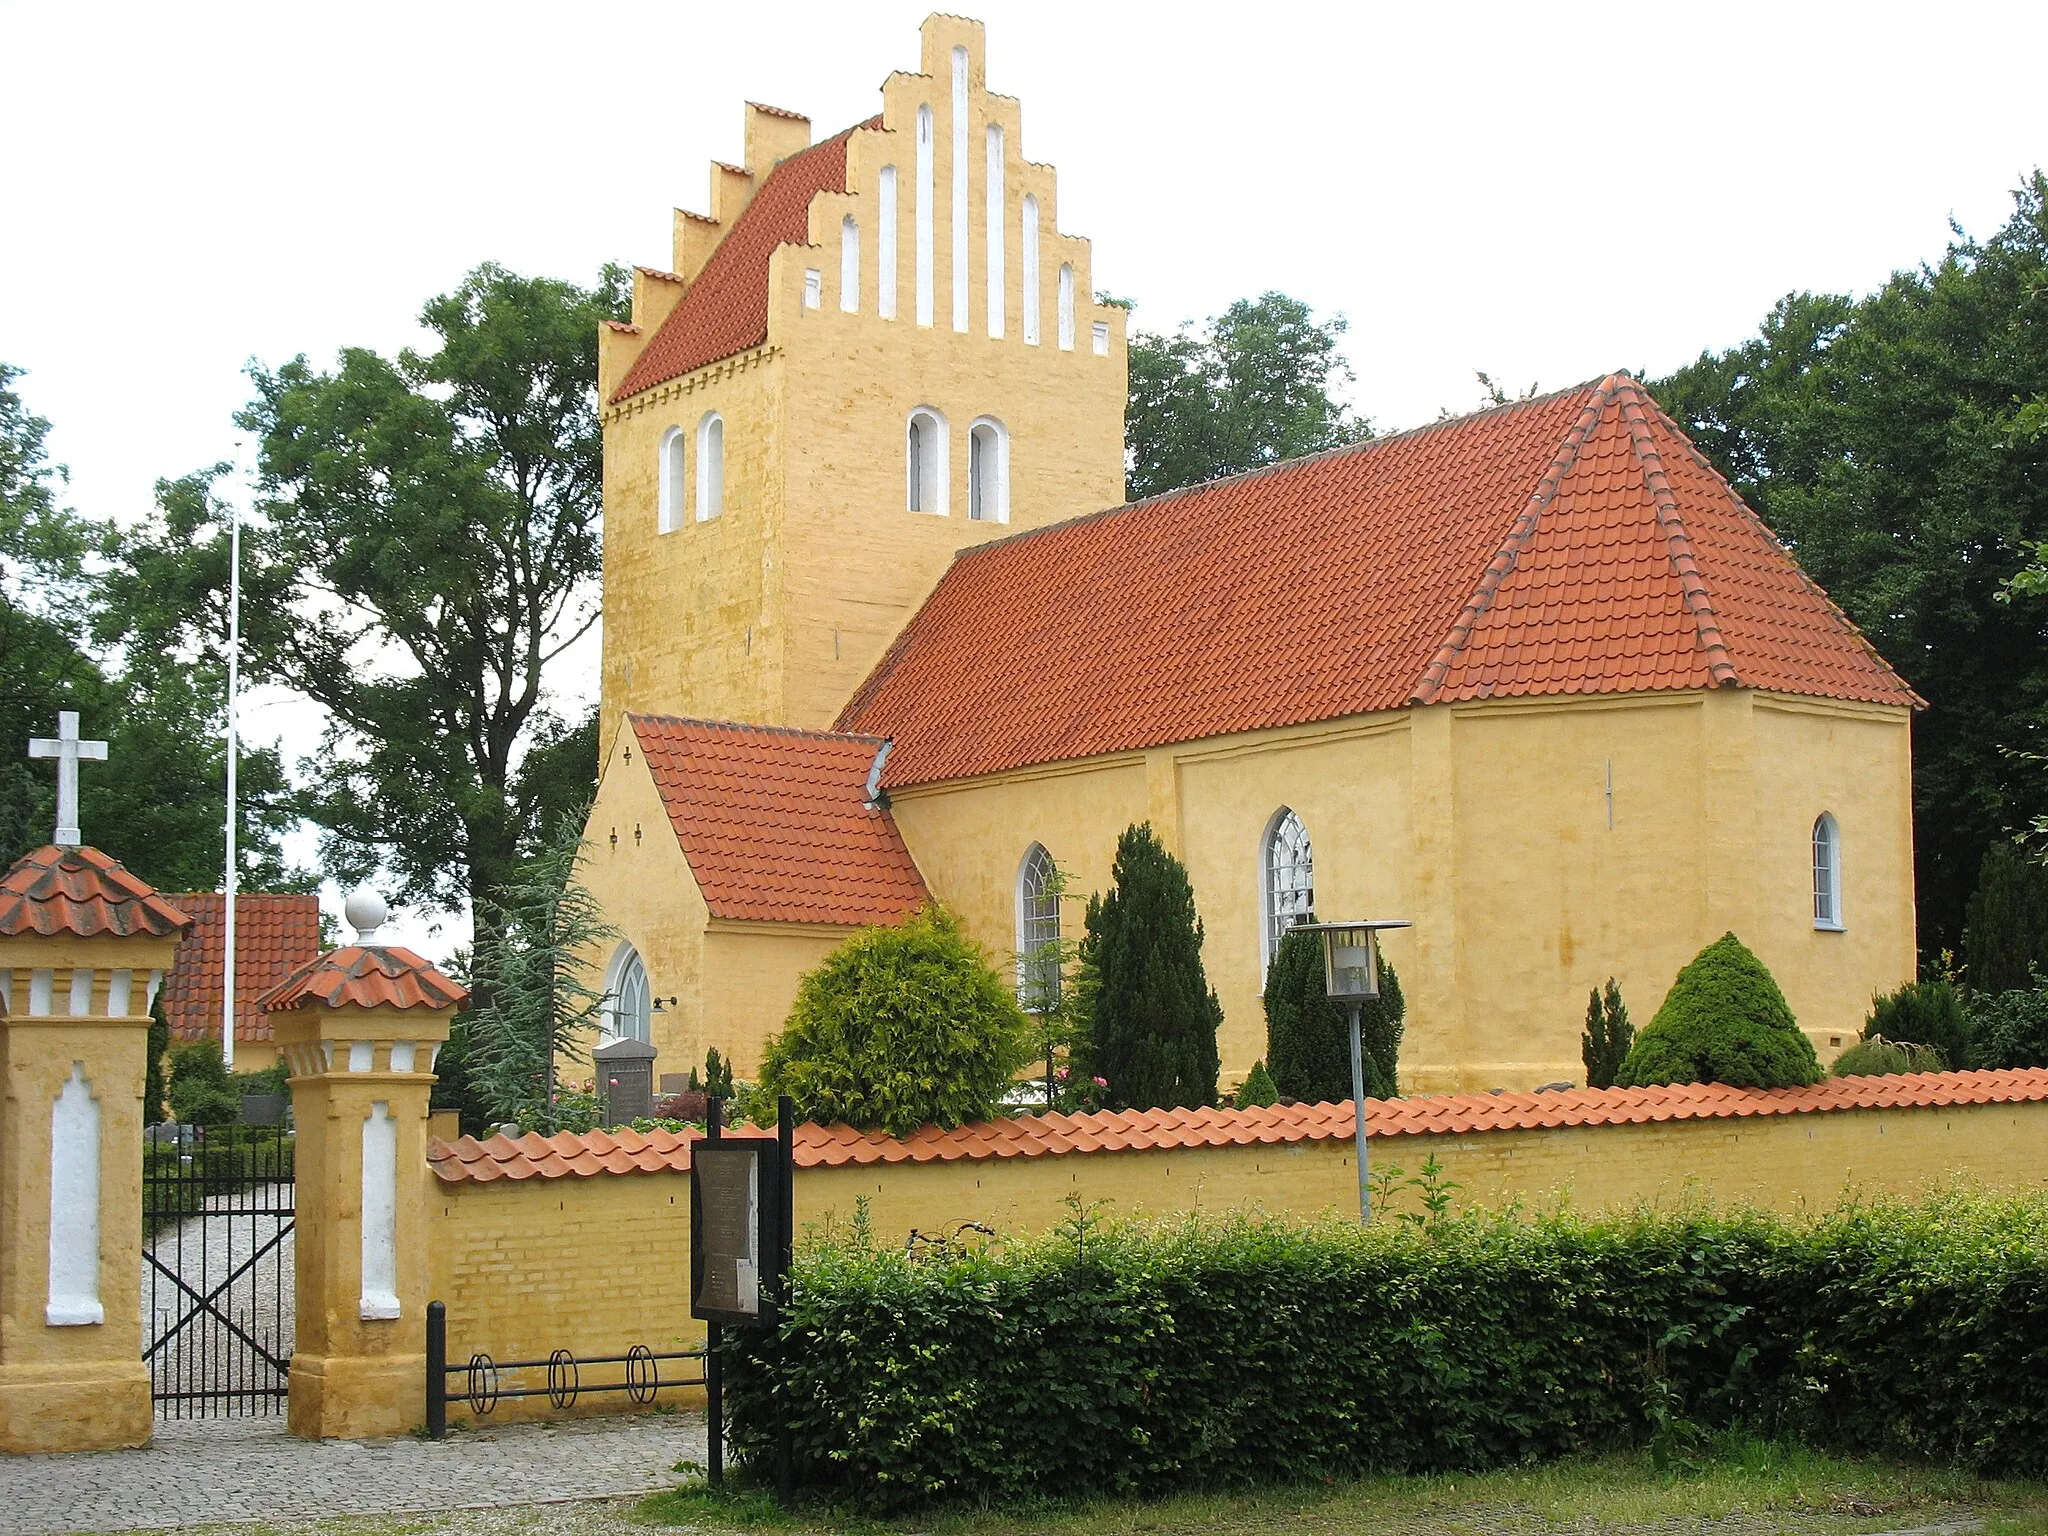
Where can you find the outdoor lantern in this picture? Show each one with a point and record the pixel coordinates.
(1351, 976)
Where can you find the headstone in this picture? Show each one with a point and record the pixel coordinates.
(625, 1080)
(264, 1108)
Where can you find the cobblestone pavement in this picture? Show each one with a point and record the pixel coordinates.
(208, 1472)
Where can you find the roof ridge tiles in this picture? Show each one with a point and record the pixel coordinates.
(1678, 541)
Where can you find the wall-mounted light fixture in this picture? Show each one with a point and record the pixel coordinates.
(659, 1003)
(615, 839)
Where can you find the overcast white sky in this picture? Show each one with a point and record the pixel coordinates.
(1545, 192)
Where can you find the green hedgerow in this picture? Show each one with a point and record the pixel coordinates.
(1723, 1021)
(898, 1028)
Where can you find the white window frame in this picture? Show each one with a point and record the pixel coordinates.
(1029, 241)
(993, 234)
(849, 265)
(1827, 873)
(960, 224)
(1038, 925)
(988, 503)
(1066, 302)
(710, 466)
(885, 243)
(626, 987)
(668, 515)
(1282, 907)
(934, 467)
(926, 191)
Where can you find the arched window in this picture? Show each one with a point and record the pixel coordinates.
(849, 264)
(669, 513)
(710, 466)
(988, 472)
(1066, 300)
(924, 462)
(628, 1004)
(1030, 244)
(1287, 878)
(1038, 931)
(1827, 873)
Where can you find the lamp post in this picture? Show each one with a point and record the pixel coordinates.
(1351, 976)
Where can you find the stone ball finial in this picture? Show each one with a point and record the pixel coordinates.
(365, 911)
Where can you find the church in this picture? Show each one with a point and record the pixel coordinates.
(880, 629)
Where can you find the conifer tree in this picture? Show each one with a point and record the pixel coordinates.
(1723, 1021)
(1153, 1017)
(2005, 927)
(1608, 1038)
(1308, 1037)
(1257, 1090)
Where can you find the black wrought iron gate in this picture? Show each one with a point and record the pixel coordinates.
(217, 1214)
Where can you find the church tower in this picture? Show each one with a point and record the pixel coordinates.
(874, 351)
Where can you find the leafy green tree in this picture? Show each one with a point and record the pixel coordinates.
(1258, 1090)
(900, 1027)
(202, 1090)
(427, 545)
(1927, 1013)
(1153, 1017)
(1257, 384)
(1723, 1021)
(536, 1009)
(1308, 1037)
(2009, 1030)
(2005, 926)
(1608, 1037)
(1889, 440)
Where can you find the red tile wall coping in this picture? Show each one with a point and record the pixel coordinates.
(84, 893)
(366, 976)
(817, 1146)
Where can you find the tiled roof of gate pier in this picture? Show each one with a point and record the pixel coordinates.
(366, 976)
(84, 893)
(1572, 544)
(817, 1146)
(776, 822)
(274, 935)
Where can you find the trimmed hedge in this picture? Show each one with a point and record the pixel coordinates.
(1129, 1361)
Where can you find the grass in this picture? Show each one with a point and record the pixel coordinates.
(1737, 1488)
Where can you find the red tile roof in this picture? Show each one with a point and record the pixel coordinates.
(273, 935)
(1571, 544)
(726, 309)
(776, 823)
(366, 976)
(82, 892)
(625, 1151)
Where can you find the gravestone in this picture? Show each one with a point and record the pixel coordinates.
(625, 1080)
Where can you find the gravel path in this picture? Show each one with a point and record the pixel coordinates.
(210, 1472)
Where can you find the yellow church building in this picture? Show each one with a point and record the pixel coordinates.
(879, 629)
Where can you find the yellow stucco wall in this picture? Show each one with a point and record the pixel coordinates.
(1488, 826)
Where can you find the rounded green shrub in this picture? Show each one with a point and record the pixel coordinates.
(1930, 1012)
(1257, 1091)
(1723, 1021)
(899, 1028)
(1879, 1057)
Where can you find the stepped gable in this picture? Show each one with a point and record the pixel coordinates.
(777, 824)
(365, 976)
(725, 311)
(1572, 544)
(81, 891)
(1153, 1130)
(274, 935)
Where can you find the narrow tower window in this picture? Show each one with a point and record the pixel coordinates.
(710, 466)
(1066, 308)
(924, 462)
(1827, 873)
(959, 189)
(1038, 932)
(993, 259)
(628, 1005)
(988, 472)
(669, 502)
(849, 264)
(1030, 271)
(924, 215)
(885, 236)
(1287, 879)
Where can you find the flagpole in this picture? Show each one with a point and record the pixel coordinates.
(227, 991)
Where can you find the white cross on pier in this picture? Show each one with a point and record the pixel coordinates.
(67, 749)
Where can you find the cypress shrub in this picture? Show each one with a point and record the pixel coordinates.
(1879, 1057)
(1929, 1013)
(2005, 925)
(1723, 1021)
(1257, 1090)
(1608, 1036)
(1153, 1017)
(898, 1028)
(1308, 1038)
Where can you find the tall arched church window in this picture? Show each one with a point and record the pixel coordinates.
(710, 466)
(849, 264)
(924, 462)
(1038, 931)
(988, 472)
(1827, 873)
(669, 512)
(1287, 874)
(628, 1011)
(1066, 300)
(1031, 295)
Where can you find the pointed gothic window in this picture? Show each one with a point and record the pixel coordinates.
(710, 466)
(988, 472)
(1038, 931)
(669, 514)
(1827, 873)
(1287, 878)
(924, 462)
(628, 1005)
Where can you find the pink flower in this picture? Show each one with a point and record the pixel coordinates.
(1102, 1082)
